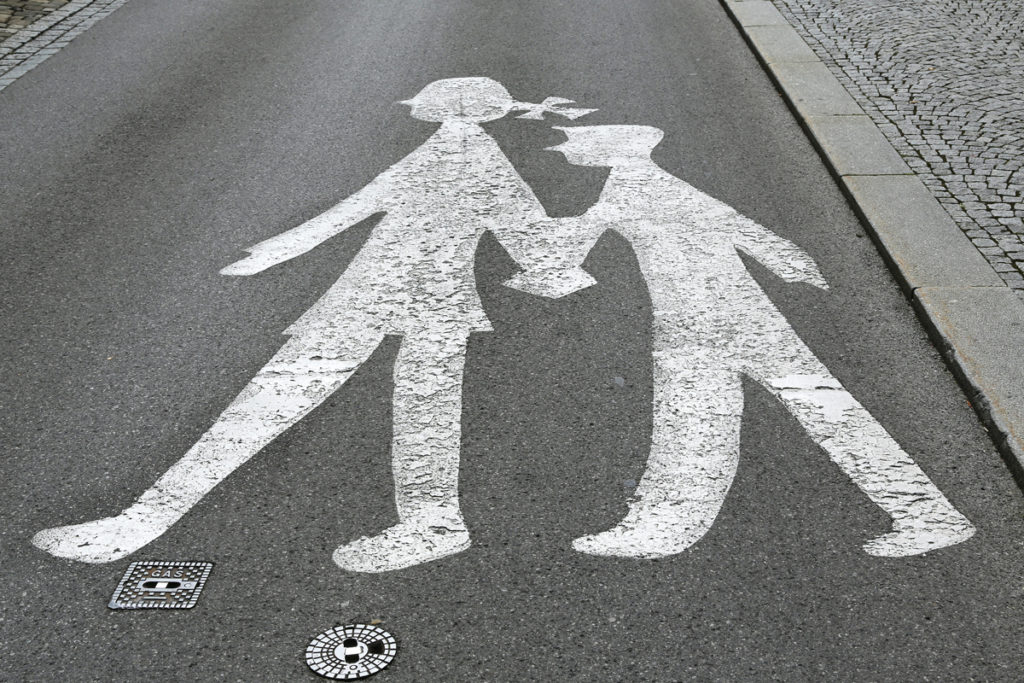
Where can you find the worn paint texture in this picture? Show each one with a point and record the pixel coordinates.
(414, 278)
(712, 324)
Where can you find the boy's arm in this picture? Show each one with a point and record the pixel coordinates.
(782, 257)
(305, 237)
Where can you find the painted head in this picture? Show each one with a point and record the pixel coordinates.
(608, 145)
(473, 100)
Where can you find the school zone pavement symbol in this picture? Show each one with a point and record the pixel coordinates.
(578, 380)
(414, 278)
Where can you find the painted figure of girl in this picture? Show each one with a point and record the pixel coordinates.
(413, 278)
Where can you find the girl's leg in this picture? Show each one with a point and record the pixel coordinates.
(694, 454)
(299, 377)
(425, 457)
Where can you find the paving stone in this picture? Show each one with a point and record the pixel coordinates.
(31, 31)
(18, 13)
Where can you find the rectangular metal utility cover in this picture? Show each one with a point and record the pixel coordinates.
(162, 585)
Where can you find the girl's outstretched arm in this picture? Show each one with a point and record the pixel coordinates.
(297, 241)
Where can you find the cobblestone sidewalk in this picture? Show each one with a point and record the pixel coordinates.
(32, 30)
(17, 14)
(944, 80)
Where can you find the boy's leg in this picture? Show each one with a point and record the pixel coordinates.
(694, 454)
(923, 519)
(425, 458)
(298, 378)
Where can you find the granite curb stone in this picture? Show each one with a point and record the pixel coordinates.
(780, 44)
(816, 91)
(855, 146)
(923, 243)
(976, 320)
(759, 14)
(960, 318)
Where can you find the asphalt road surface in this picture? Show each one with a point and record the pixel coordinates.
(148, 154)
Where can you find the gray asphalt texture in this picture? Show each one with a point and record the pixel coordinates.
(146, 155)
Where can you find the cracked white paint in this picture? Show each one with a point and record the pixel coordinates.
(414, 278)
(824, 392)
(712, 324)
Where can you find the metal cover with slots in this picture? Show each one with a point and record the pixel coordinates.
(161, 585)
(350, 652)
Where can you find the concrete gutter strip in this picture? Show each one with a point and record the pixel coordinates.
(974, 318)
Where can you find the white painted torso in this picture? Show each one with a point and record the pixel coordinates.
(686, 243)
(415, 271)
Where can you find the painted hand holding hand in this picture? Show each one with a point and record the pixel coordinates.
(414, 278)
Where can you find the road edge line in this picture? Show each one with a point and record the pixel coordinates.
(975, 320)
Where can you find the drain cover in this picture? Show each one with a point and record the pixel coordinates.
(350, 652)
(167, 585)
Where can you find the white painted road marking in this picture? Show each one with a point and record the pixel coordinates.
(712, 323)
(413, 277)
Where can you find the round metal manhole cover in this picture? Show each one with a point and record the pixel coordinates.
(351, 651)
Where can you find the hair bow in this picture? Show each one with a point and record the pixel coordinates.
(551, 105)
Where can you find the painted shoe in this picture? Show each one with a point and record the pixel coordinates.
(921, 537)
(103, 540)
(404, 545)
(649, 533)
